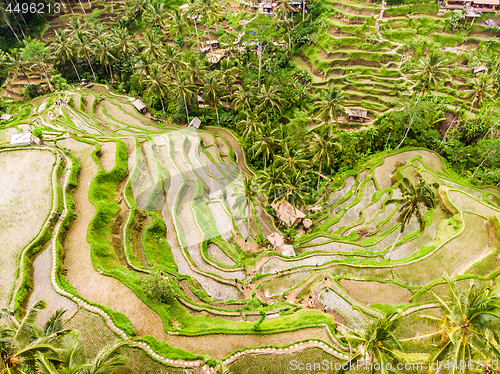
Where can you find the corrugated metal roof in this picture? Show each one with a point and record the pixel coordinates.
(486, 2)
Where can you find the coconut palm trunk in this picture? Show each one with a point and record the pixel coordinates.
(197, 37)
(393, 245)
(187, 113)
(11, 29)
(411, 122)
(319, 173)
(74, 67)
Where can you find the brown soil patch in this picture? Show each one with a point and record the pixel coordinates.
(376, 293)
(108, 155)
(25, 202)
(80, 270)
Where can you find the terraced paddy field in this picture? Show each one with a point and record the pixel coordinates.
(142, 202)
(368, 50)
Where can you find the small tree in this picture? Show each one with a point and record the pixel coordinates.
(157, 288)
(38, 133)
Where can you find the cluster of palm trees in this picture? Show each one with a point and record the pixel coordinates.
(285, 178)
(52, 349)
(465, 334)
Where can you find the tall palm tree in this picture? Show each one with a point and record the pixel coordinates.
(105, 53)
(292, 160)
(124, 42)
(17, 64)
(183, 91)
(156, 82)
(172, 61)
(265, 143)
(243, 97)
(430, 70)
(469, 325)
(194, 69)
(377, 343)
(323, 146)
(71, 359)
(83, 47)
(210, 10)
(177, 21)
(252, 125)
(192, 13)
(152, 46)
(20, 343)
(243, 200)
(294, 188)
(155, 14)
(413, 200)
(270, 96)
(227, 75)
(331, 104)
(482, 88)
(211, 91)
(63, 48)
(269, 179)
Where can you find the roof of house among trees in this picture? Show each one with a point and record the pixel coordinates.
(139, 105)
(286, 212)
(356, 112)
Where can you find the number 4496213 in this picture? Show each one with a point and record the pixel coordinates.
(39, 8)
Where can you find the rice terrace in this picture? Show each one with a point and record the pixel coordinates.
(249, 186)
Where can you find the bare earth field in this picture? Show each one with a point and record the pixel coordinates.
(25, 202)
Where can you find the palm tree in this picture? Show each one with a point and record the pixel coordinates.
(292, 159)
(183, 91)
(209, 9)
(227, 78)
(20, 343)
(156, 82)
(63, 48)
(83, 47)
(469, 325)
(105, 49)
(323, 145)
(243, 200)
(193, 12)
(194, 69)
(152, 46)
(177, 20)
(268, 179)
(156, 14)
(294, 188)
(171, 60)
(331, 104)
(211, 91)
(377, 343)
(252, 125)
(243, 97)
(124, 42)
(270, 96)
(264, 143)
(71, 358)
(430, 70)
(16, 63)
(482, 88)
(413, 200)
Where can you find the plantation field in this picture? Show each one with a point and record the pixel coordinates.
(25, 203)
(162, 244)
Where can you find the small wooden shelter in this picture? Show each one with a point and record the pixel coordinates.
(140, 106)
(356, 114)
(215, 56)
(195, 123)
(287, 213)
